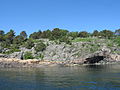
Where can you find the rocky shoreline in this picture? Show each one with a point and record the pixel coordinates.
(14, 62)
(103, 56)
(95, 51)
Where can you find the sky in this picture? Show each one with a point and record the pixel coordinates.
(72, 15)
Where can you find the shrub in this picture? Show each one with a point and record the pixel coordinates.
(117, 41)
(29, 44)
(5, 44)
(83, 34)
(83, 40)
(110, 44)
(65, 39)
(40, 47)
(94, 48)
(40, 56)
(14, 46)
(28, 55)
(18, 40)
(12, 51)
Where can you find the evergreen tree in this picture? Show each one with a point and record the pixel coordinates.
(95, 33)
(10, 36)
(23, 34)
(106, 34)
(83, 34)
(1, 35)
(18, 40)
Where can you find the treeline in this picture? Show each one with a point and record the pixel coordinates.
(6, 39)
(60, 33)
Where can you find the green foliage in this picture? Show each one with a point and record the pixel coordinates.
(2, 32)
(23, 34)
(40, 47)
(18, 40)
(29, 44)
(117, 40)
(5, 44)
(110, 43)
(36, 35)
(83, 34)
(2, 35)
(10, 36)
(40, 56)
(9, 40)
(13, 48)
(106, 34)
(57, 42)
(28, 55)
(12, 51)
(36, 40)
(52, 35)
(73, 34)
(46, 34)
(95, 33)
(94, 47)
(83, 40)
(65, 39)
(58, 33)
(1, 38)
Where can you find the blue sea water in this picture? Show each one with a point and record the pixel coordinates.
(90, 77)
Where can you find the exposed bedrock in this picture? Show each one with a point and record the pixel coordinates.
(77, 53)
(104, 55)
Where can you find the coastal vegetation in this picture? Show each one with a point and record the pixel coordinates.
(58, 44)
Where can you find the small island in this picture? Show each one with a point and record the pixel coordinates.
(59, 47)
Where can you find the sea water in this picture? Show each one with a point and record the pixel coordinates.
(88, 77)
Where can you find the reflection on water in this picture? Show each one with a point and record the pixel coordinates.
(91, 77)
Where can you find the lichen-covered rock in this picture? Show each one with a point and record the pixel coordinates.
(18, 55)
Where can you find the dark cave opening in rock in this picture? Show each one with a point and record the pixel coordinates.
(94, 59)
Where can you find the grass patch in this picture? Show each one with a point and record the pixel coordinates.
(117, 40)
(28, 55)
(83, 40)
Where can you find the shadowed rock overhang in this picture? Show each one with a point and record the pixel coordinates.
(94, 59)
